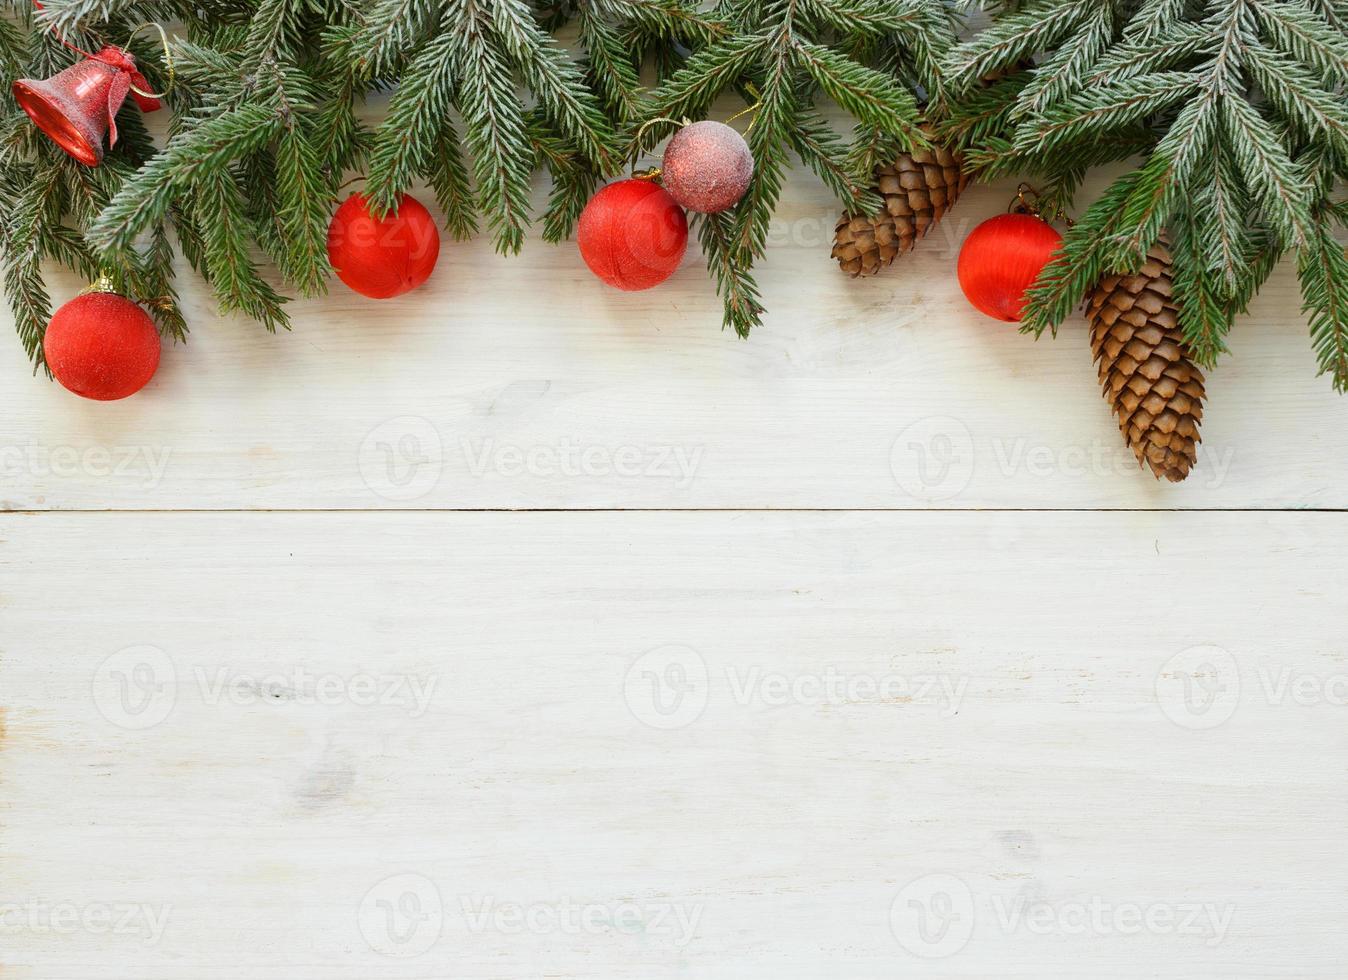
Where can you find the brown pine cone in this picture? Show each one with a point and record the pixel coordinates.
(1145, 370)
(917, 188)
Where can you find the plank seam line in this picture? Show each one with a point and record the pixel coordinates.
(680, 510)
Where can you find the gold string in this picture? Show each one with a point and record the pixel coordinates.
(168, 60)
(758, 104)
(652, 173)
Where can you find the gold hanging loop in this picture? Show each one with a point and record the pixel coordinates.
(168, 60)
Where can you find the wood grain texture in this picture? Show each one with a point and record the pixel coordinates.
(523, 383)
(632, 760)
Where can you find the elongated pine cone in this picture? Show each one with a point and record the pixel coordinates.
(917, 188)
(1146, 374)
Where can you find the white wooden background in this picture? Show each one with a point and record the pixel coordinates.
(521, 627)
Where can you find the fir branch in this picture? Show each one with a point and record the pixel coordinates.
(985, 114)
(197, 154)
(690, 90)
(1203, 315)
(1314, 112)
(1080, 261)
(303, 202)
(417, 115)
(556, 82)
(390, 28)
(496, 137)
(866, 94)
(777, 107)
(1223, 209)
(867, 18)
(574, 180)
(1323, 269)
(1064, 72)
(228, 265)
(613, 69)
(36, 211)
(1106, 107)
(448, 177)
(1303, 35)
(1034, 27)
(1181, 44)
(1278, 183)
(1154, 18)
(820, 149)
(734, 278)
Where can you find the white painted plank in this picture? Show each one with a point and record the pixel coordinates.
(526, 383)
(1064, 789)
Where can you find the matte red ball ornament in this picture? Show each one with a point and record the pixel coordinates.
(1001, 259)
(707, 167)
(632, 235)
(383, 257)
(102, 346)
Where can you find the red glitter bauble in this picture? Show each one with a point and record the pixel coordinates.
(383, 257)
(707, 167)
(632, 235)
(1001, 259)
(102, 346)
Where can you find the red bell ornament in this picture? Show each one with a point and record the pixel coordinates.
(1001, 259)
(78, 107)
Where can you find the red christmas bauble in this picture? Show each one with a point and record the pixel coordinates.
(632, 235)
(707, 167)
(383, 257)
(102, 346)
(1001, 259)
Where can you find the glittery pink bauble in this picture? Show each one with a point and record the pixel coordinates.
(707, 167)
